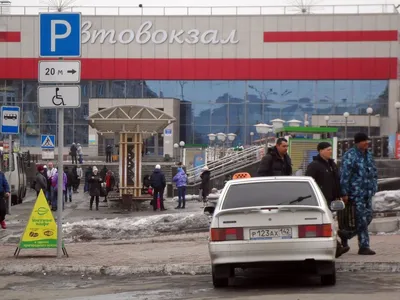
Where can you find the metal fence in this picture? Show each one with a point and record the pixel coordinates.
(204, 10)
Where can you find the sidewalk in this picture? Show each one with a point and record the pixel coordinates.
(179, 254)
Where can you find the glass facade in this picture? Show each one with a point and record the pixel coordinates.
(206, 106)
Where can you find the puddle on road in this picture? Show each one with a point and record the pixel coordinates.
(144, 295)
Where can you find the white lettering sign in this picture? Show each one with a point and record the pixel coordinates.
(144, 34)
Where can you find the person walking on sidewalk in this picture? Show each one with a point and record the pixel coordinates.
(88, 174)
(359, 182)
(110, 183)
(109, 151)
(276, 162)
(77, 175)
(70, 183)
(180, 180)
(94, 188)
(80, 153)
(73, 151)
(205, 183)
(40, 181)
(158, 183)
(326, 174)
(54, 183)
(4, 194)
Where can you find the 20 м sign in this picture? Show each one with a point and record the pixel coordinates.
(59, 71)
(145, 34)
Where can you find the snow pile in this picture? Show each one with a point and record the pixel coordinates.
(386, 201)
(129, 228)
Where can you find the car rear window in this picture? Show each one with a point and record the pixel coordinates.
(269, 193)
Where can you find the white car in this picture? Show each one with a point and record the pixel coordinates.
(264, 220)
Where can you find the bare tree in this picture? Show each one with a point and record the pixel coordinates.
(59, 5)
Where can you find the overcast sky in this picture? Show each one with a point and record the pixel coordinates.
(203, 2)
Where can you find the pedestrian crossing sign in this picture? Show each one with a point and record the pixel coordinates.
(48, 141)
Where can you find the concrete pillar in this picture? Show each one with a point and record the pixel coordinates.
(156, 146)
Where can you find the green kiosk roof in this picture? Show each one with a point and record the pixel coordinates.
(310, 129)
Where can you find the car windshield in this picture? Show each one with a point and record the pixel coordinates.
(269, 193)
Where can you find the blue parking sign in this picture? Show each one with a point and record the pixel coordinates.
(60, 34)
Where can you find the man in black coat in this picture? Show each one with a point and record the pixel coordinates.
(73, 151)
(158, 183)
(276, 162)
(325, 173)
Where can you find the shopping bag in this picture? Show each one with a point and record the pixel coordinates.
(158, 203)
(347, 217)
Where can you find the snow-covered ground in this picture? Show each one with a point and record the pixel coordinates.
(386, 201)
(130, 228)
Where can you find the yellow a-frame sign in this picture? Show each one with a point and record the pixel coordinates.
(41, 230)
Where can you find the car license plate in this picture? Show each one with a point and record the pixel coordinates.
(270, 233)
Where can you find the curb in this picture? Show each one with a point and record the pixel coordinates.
(174, 269)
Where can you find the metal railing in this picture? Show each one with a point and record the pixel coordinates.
(227, 164)
(212, 164)
(204, 10)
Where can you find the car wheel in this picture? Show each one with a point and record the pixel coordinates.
(220, 279)
(329, 279)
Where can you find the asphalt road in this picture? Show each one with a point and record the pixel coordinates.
(255, 287)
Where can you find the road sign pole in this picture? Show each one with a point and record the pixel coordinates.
(10, 166)
(60, 194)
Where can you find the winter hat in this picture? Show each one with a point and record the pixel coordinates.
(323, 145)
(360, 137)
(94, 168)
(205, 168)
(158, 167)
(40, 168)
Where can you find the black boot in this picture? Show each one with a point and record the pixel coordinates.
(366, 251)
(344, 239)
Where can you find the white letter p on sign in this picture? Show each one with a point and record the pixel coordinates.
(55, 36)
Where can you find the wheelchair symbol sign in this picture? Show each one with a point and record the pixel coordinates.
(59, 96)
(58, 100)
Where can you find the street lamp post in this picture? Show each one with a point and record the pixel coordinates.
(212, 138)
(181, 145)
(176, 146)
(231, 137)
(397, 106)
(222, 137)
(327, 120)
(369, 112)
(346, 115)
(251, 138)
(263, 130)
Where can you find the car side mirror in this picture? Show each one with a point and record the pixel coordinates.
(337, 205)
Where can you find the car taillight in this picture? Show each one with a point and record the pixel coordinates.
(226, 234)
(314, 231)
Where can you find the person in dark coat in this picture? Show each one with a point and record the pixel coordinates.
(109, 151)
(94, 188)
(40, 181)
(73, 151)
(103, 173)
(70, 184)
(4, 194)
(205, 183)
(88, 174)
(158, 183)
(326, 174)
(276, 162)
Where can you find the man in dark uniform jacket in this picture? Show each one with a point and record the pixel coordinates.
(325, 173)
